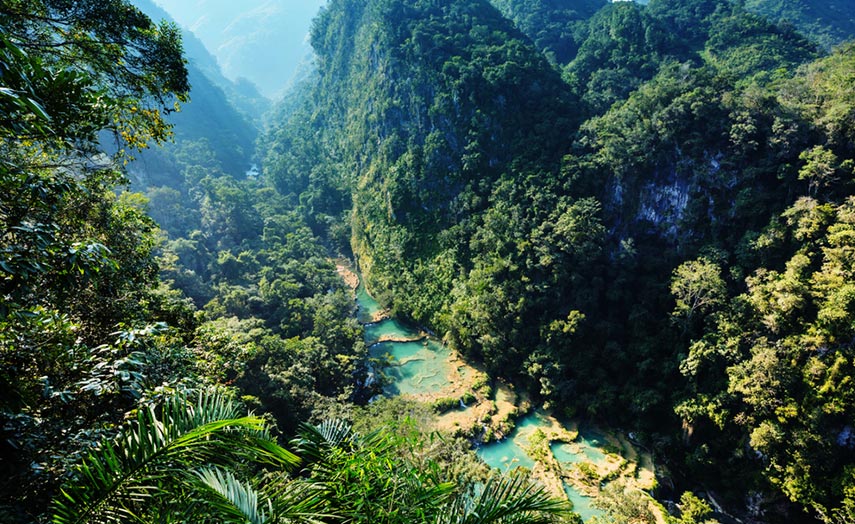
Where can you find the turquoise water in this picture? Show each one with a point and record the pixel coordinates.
(586, 448)
(581, 504)
(389, 328)
(422, 366)
(367, 306)
(510, 453)
(417, 367)
(505, 455)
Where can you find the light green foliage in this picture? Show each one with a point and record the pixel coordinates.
(694, 510)
(538, 446)
(623, 505)
(544, 226)
(698, 289)
(139, 475)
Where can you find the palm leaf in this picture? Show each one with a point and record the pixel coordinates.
(286, 501)
(508, 499)
(313, 441)
(153, 458)
(234, 499)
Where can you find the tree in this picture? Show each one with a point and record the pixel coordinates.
(624, 506)
(93, 62)
(694, 510)
(184, 459)
(75, 257)
(822, 169)
(698, 289)
(179, 460)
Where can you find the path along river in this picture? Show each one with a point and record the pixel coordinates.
(571, 461)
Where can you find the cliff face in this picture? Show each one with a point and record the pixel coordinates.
(535, 212)
(431, 102)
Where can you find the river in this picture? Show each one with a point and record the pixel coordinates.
(574, 460)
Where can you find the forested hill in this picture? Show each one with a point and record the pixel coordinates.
(556, 27)
(219, 125)
(828, 23)
(640, 216)
(628, 211)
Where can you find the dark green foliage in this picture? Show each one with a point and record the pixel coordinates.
(660, 239)
(154, 460)
(550, 252)
(556, 27)
(772, 368)
(193, 459)
(827, 23)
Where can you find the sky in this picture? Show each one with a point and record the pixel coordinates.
(265, 41)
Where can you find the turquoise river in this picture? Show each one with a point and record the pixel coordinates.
(419, 364)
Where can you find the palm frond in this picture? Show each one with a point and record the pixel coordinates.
(289, 501)
(505, 500)
(158, 450)
(233, 499)
(299, 501)
(313, 442)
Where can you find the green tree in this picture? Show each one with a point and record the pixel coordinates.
(698, 289)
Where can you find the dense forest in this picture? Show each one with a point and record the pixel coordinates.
(639, 215)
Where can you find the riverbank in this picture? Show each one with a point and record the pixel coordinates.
(571, 462)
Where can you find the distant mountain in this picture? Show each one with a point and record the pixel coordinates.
(262, 40)
(828, 22)
(218, 127)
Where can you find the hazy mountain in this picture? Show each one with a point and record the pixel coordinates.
(262, 40)
(827, 22)
(221, 119)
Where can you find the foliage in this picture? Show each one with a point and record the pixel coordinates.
(827, 23)
(80, 334)
(155, 458)
(623, 505)
(183, 461)
(665, 188)
(639, 214)
(555, 27)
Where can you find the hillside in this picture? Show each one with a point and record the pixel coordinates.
(610, 243)
(828, 23)
(555, 242)
(222, 120)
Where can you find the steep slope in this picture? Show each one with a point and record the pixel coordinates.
(828, 23)
(261, 40)
(221, 121)
(423, 108)
(556, 27)
(592, 262)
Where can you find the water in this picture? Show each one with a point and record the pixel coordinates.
(418, 364)
(581, 504)
(367, 306)
(510, 453)
(586, 448)
(505, 455)
(417, 367)
(389, 329)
